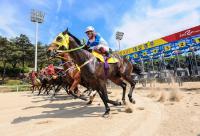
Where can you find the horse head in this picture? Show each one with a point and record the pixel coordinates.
(62, 43)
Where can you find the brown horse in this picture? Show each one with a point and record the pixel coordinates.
(93, 72)
(73, 75)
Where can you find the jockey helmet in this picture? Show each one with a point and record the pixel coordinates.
(89, 28)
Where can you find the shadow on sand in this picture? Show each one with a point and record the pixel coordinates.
(63, 110)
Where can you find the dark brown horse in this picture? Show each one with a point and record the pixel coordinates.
(93, 72)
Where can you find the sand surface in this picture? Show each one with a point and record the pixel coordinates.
(154, 114)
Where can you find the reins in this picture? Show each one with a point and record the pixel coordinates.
(75, 49)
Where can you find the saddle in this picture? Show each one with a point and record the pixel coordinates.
(104, 59)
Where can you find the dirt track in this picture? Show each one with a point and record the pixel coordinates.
(24, 114)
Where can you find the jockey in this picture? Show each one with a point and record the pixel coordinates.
(96, 42)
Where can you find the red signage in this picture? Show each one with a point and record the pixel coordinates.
(189, 32)
(183, 34)
(169, 38)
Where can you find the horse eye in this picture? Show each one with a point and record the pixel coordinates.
(59, 39)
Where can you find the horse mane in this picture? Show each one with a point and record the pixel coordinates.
(74, 37)
(89, 55)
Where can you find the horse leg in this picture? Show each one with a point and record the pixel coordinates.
(56, 90)
(105, 93)
(76, 81)
(33, 85)
(92, 96)
(115, 103)
(90, 91)
(87, 91)
(66, 88)
(33, 88)
(102, 93)
(120, 82)
(53, 87)
(74, 86)
(48, 89)
(40, 89)
(78, 95)
(132, 83)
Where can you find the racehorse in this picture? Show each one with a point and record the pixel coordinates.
(93, 72)
(52, 81)
(75, 76)
(35, 82)
(72, 74)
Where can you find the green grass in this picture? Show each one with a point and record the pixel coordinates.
(13, 82)
(11, 86)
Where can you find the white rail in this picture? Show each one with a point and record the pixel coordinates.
(14, 86)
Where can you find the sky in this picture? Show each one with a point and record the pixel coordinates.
(140, 20)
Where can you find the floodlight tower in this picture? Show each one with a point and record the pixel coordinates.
(37, 17)
(119, 36)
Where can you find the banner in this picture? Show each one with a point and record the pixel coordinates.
(188, 33)
(135, 49)
(195, 39)
(168, 43)
(150, 44)
(144, 53)
(135, 55)
(140, 47)
(167, 47)
(155, 52)
(182, 44)
(125, 52)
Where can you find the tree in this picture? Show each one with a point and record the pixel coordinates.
(16, 53)
(24, 44)
(42, 56)
(5, 47)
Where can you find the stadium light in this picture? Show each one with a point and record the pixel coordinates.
(119, 36)
(37, 17)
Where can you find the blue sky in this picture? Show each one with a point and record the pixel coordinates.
(140, 20)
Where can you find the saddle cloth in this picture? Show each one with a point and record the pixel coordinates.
(101, 58)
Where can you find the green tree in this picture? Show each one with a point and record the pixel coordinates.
(42, 56)
(16, 53)
(5, 47)
(24, 45)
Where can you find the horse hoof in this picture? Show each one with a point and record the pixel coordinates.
(89, 103)
(117, 103)
(82, 97)
(106, 115)
(124, 102)
(133, 101)
(74, 95)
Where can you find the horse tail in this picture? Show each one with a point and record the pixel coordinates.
(136, 69)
